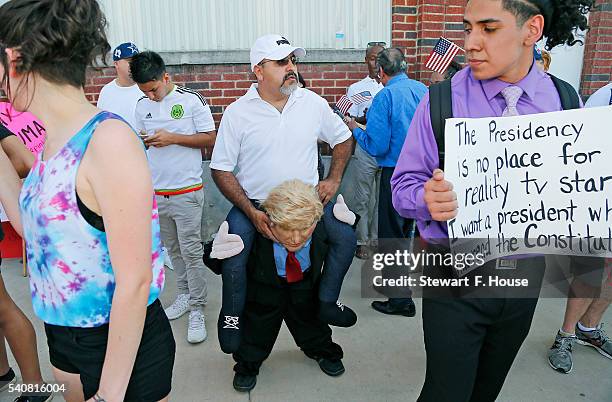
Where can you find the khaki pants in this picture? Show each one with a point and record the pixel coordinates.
(367, 180)
(180, 220)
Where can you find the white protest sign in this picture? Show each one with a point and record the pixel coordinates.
(529, 184)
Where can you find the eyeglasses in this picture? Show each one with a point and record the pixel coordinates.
(381, 44)
(283, 62)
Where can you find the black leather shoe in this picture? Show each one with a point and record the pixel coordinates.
(386, 307)
(244, 383)
(332, 368)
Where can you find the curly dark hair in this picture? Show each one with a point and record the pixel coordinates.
(561, 17)
(56, 39)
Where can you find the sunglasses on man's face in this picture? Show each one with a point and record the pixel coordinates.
(381, 44)
(283, 62)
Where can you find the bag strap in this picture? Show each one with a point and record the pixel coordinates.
(567, 94)
(440, 109)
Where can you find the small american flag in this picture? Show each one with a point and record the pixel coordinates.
(361, 97)
(344, 104)
(441, 55)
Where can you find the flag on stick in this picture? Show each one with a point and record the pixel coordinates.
(344, 104)
(442, 55)
(361, 97)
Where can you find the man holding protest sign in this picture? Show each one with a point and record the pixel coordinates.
(471, 343)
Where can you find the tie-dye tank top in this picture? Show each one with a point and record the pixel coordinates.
(71, 276)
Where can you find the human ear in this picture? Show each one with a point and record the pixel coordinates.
(13, 55)
(534, 27)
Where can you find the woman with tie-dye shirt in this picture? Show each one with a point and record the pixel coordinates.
(86, 211)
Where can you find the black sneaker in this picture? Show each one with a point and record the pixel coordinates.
(337, 314)
(243, 382)
(7, 379)
(333, 368)
(34, 398)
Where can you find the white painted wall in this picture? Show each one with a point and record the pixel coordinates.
(567, 62)
(195, 25)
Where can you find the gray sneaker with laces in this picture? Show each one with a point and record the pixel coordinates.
(597, 339)
(560, 353)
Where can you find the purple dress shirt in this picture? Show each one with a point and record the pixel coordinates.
(471, 98)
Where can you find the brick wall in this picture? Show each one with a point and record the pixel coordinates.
(418, 24)
(597, 65)
(223, 84)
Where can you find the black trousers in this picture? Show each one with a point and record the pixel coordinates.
(471, 345)
(472, 339)
(262, 322)
(390, 224)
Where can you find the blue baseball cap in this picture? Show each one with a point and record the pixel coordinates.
(125, 51)
(537, 54)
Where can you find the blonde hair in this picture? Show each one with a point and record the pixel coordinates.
(546, 59)
(293, 205)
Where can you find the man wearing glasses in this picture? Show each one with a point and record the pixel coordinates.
(388, 121)
(270, 135)
(366, 196)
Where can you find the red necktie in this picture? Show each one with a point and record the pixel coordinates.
(292, 268)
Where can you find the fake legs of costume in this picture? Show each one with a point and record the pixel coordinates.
(263, 320)
(342, 244)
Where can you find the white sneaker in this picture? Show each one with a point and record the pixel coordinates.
(179, 307)
(196, 332)
(167, 260)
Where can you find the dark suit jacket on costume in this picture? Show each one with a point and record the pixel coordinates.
(264, 284)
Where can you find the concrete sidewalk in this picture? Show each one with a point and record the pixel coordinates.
(384, 357)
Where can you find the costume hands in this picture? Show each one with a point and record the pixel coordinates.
(226, 245)
(342, 211)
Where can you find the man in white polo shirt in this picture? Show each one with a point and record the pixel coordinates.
(270, 135)
(366, 167)
(176, 123)
(121, 94)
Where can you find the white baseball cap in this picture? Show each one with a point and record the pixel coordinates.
(273, 47)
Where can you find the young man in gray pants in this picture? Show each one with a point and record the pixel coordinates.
(175, 124)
